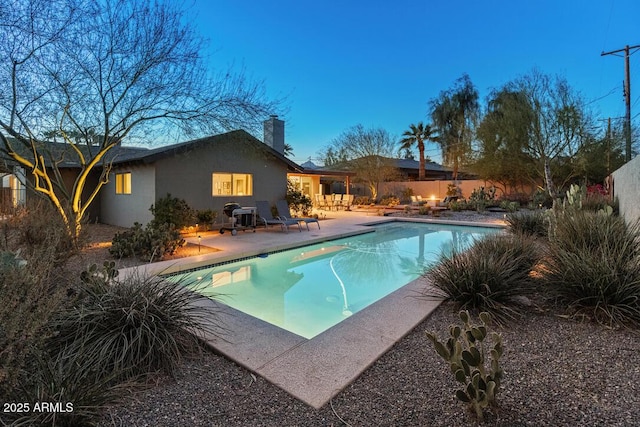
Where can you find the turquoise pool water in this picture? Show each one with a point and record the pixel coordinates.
(309, 289)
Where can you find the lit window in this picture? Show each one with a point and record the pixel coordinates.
(232, 184)
(123, 183)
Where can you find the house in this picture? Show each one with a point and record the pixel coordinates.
(207, 173)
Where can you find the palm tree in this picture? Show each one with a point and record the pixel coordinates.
(417, 134)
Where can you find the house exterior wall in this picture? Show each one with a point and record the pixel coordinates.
(626, 182)
(188, 175)
(125, 209)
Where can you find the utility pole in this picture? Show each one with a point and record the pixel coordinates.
(627, 94)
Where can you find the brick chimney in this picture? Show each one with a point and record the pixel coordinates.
(274, 133)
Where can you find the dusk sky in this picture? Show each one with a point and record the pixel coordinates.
(379, 63)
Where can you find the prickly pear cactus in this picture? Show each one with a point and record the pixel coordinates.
(466, 354)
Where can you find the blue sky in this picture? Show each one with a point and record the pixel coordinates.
(379, 63)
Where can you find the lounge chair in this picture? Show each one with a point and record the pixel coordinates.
(284, 213)
(266, 217)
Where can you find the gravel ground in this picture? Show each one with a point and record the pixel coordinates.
(558, 372)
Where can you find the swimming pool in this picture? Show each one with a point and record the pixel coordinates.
(309, 289)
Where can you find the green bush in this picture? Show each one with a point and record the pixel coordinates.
(533, 223)
(362, 200)
(424, 210)
(593, 267)
(150, 243)
(492, 276)
(171, 210)
(298, 201)
(132, 327)
(206, 217)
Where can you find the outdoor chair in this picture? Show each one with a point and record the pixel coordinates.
(284, 213)
(321, 201)
(266, 217)
(337, 201)
(347, 201)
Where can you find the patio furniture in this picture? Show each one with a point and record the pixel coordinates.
(337, 201)
(266, 217)
(284, 213)
(347, 201)
(321, 201)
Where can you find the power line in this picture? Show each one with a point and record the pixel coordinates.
(627, 93)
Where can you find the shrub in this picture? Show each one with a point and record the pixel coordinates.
(171, 210)
(298, 202)
(206, 217)
(38, 226)
(389, 200)
(132, 327)
(509, 206)
(406, 194)
(424, 210)
(493, 276)
(453, 190)
(593, 267)
(466, 355)
(31, 294)
(481, 198)
(150, 243)
(533, 223)
(362, 200)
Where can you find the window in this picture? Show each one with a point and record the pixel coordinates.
(232, 184)
(123, 183)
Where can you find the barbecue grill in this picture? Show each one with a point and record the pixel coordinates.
(240, 218)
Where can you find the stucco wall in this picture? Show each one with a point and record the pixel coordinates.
(125, 209)
(438, 189)
(189, 175)
(626, 187)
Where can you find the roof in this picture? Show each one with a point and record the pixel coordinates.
(123, 154)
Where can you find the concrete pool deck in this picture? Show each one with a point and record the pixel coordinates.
(314, 370)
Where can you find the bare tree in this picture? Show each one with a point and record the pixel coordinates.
(561, 123)
(98, 72)
(368, 152)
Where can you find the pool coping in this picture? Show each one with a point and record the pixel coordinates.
(314, 370)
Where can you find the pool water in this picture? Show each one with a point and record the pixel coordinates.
(308, 290)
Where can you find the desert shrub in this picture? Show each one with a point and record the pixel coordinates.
(132, 326)
(477, 369)
(406, 193)
(593, 267)
(39, 225)
(533, 223)
(150, 243)
(32, 291)
(298, 201)
(206, 217)
(67, 381)
(362, 200)
(457, 205)
(389, 200)
(596, 201)
(453, 190)
(171, 210)
(509, 206)
(492, 276)
(424, 210)
(481, 198)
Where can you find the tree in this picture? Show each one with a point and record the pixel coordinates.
(454, 114)
(98, 72)
(561, 124)
(368, 152)
(503, 137)
(417, 134)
